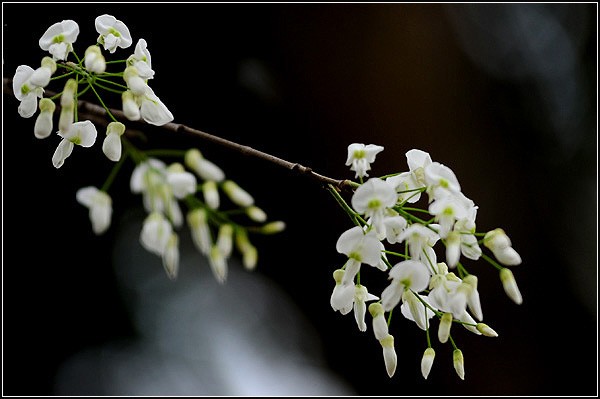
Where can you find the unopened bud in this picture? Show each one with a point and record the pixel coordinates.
(238, 195)
(389, 354)
(459, 363)
(427, 362)
(510, 286)
(444, 328)
(256, 214)
(273, 227)
(486, 330)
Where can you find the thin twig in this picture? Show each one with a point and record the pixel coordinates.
(97, 113)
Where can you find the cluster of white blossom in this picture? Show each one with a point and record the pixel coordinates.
(425, 288)
(163, 187)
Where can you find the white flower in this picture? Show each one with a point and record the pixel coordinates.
(254, 213)
(100, 207)
(141, 60)
(360, 248)
(225, 239)
(447, 210)
(79, 133)
(406, 275)
(342, 297)
(94, 61)
(154, 111)
(147, 178)
(182, 182)
(427, 361)
(26, 92)
(156, 233)
(380, 327)
(204, 168)
(59, 38)
(112, 142)
(394, 226)
(440, 180)
(361, 157)
(389, 354)
(406, 186)
(361, 296)
(418, 238)
(44, 123)
(417, 162)
(372, 199)
(113, 33)
(499, 243)
(414, 310)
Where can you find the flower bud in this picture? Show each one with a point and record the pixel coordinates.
(273, 227)
(170, 256)
(236, 194)
(510, 286)
(211, 194)
(459, 363)
(225, 239)
(389, 354)
(112, 142)
(134, 82)
(94, 61)
(427, 362)
(380, 327)
(444, 328)
(256, 214)
(130, 107)
(204, 168)
(198, 222)
(486, 330)
(499, 243)
(43, 123)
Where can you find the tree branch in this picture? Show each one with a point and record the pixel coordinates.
(97, 114)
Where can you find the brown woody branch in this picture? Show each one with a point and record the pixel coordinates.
(99, 115)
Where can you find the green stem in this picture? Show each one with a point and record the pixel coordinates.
(452, 342)
(114, 172)
(103, 105)
(492, 262)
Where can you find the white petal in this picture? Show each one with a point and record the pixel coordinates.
(112, 147)
(64, 149)
(154, 111)
(28, 106)
(85, 195)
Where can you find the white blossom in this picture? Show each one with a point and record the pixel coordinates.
(510, 285)
(59, 38)
(418, 237)
(361, 296)
(181, 181)
(360, 247)
(100, 207)
(372, 199)
(170, 256)
(26, 92)
(113, 33)
(156, 233)
(406, 275)
(141, 60)
(131, 109)
(413, 309)
(236, 194)
(197, 220)
(459, 363)
(80, 133)
(440, 180)
(361, 156)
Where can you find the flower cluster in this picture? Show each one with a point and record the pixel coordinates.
(192, 181)
(423, 286)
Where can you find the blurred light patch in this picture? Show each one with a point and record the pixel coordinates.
(197, 337)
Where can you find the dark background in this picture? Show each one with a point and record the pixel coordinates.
(504, 94)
